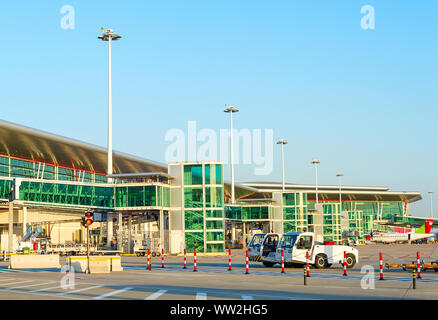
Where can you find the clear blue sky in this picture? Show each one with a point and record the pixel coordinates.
(364, 102)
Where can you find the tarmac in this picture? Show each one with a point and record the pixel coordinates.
(213, 281)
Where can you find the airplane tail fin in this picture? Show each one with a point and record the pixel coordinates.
(425, 228)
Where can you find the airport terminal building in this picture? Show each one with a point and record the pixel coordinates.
(47, 182)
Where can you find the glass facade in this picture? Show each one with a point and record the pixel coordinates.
(66, 194)
(204, 207)
(5, 189)
(192, 175)
(213, 174)
(295, 217)
(22, 168)
(136, 196)
(332, 223)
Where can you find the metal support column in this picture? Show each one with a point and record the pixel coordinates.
(129, 233)
(11, 227)
(109, 229)
(120, 231)
(24, 220)
(161, 226)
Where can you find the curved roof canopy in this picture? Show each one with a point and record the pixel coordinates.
(28, 143)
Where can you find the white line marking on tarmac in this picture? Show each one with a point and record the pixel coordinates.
(112, 293)
(7, 279)
(201, 295)
(156, 295)
(247, 297)
(45, 289)
(31, 285)
(78, 290)
(3, 284)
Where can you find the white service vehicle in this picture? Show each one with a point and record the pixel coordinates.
(296, 244)
(261, 244)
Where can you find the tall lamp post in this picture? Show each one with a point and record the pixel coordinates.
(431, 209)
(340, 175)
(109, 35)
(316, 162)
(231, 110)
(282, 142)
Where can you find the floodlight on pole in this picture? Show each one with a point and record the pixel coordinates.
(109, 35)
(231, 110)
(431, 208)
(282, 142)
(316, 162)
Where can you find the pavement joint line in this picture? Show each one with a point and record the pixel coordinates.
(79, 290)
(31, 285)
(112, 293)
(156, 295)
(39, 294)
(16, 282)
(45, 289)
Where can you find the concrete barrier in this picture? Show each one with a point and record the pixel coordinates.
(98, 264)
(34, 261)
(116, 263)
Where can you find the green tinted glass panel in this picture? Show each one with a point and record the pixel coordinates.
(214, 213)
(214, 197)
(215, 236)
(234, 213)
(193, 197)
(5, 188)
(288, 199)
(192, 175)
(215, 247)
(136, 196)
(194, 219)
(214, 224)
(213, 174)
(66, 194)
(194, 240)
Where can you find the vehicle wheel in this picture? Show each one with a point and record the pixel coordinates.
(138, 254)
(268, 264)
(153, 254)
(351, 260)
(320, 261)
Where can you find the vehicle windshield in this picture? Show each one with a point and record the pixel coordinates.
(257, 240)
(288, 241)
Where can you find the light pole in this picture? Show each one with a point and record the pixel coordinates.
(340, 175)
(431, 209)
(282, 142)
(231, 110)
(109, 35)
(316, 162)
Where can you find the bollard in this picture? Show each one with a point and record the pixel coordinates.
(185, 259)
(282, 261)
(307, 264)
(247, 264)
(162, 258)
(414, 282)
(149, 260)
(194, 261)
(345, 263)
(229, 259)
(305, 276)
(381, 266)
(418, 265)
